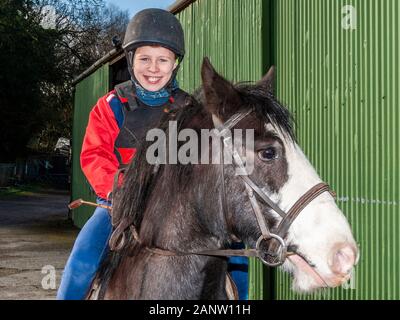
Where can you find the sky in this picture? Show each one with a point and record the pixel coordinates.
(134, 6)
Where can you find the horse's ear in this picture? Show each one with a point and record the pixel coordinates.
(221, 97)
(268, 80)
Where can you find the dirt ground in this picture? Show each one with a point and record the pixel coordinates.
(35, 241)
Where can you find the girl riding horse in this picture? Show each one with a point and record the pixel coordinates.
(154, 48)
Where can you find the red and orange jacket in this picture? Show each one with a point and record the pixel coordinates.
(99, 162)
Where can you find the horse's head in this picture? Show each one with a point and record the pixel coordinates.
(318, 235)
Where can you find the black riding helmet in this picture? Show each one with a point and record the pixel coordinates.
(154, 27)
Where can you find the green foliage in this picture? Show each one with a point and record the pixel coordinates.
(41, 51)
(26, 61)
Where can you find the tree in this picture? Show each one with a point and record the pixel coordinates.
(44, 44)
(26, 62)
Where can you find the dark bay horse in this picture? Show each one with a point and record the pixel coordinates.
(174, 218)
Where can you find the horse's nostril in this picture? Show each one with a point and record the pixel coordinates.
(343, 260)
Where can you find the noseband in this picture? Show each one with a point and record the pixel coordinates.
(271, 247)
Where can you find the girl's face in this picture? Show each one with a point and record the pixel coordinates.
(153, 66)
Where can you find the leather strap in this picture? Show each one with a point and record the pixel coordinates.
(295, 210)
(300, 204)
(126, 90)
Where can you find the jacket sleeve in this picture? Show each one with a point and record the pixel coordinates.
(98, 160)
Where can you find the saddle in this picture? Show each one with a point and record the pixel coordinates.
(230, 288)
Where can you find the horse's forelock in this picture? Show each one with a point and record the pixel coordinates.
(267, 108)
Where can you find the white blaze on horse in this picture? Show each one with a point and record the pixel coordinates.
(326, 248)
(174, 223)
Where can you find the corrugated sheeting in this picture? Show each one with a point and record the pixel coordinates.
(232, 33)
(87, 93)
(343, 87)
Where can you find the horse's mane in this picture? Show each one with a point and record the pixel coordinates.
(131, 200)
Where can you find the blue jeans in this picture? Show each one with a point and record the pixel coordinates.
(89, 249)
(238, 269)
(91, 246)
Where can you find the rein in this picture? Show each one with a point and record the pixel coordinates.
(276, 252)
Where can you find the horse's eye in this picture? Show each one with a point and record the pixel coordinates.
(268, 154)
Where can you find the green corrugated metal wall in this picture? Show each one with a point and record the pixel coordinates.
(343, 87)
(86, 94)
(232, 33)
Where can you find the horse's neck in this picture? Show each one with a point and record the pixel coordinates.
(181, 230)
(158, 277)
(184, 221)
(177, 221)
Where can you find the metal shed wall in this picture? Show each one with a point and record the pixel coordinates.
(343, 87)
(234, 35)
(87, 92)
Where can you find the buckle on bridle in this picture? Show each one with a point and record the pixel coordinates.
(271, 258)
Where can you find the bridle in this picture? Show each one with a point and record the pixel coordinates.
(274, 252)
(277, 251)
